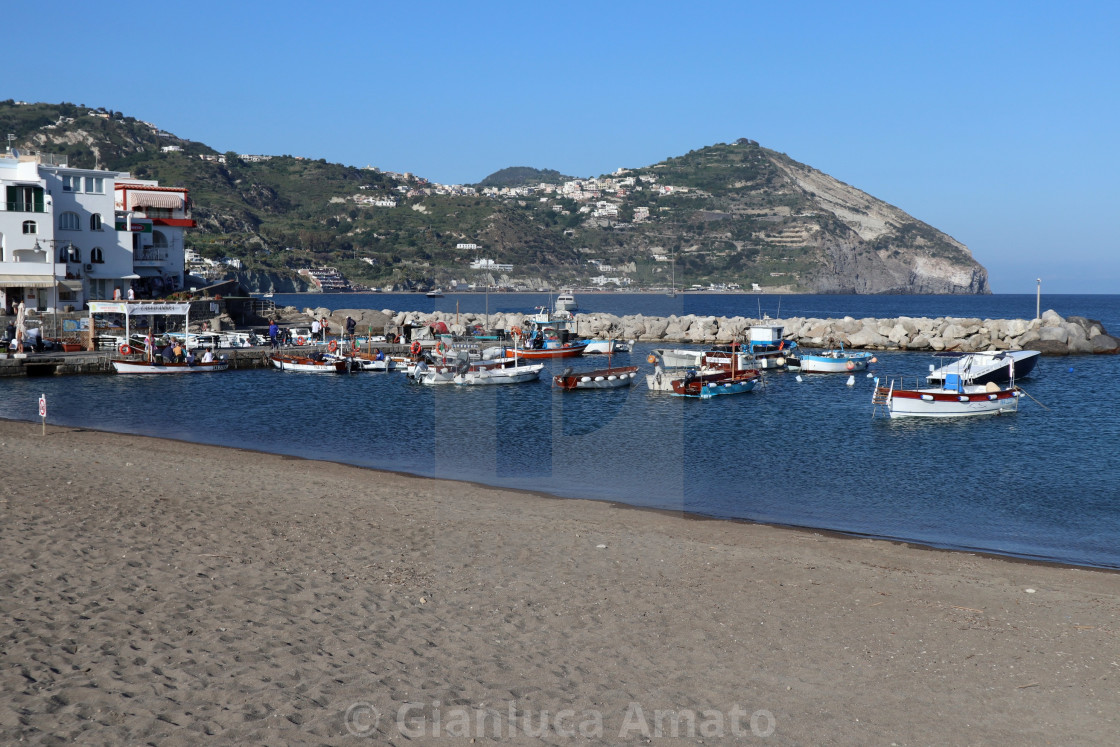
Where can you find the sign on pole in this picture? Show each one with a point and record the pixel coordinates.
(43, 411)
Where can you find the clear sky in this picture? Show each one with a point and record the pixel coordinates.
(994, 122)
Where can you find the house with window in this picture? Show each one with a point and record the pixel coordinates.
(155, 217)
(28, 272)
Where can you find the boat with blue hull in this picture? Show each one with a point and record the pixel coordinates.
(999, 367)
(836, 360)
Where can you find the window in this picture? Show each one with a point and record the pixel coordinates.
(30, 227)
(95, 222)
(95, 185)
(64, 254)
(95, 255)
(75, 254)
(159, 240)
(71, 183)
(69, 221)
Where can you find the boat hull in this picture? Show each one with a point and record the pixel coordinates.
(844, 363)
(982, 368)
(715, 387)
(603, 378)
(564, 351)
(945, 403)
(499, 376)
(307, 365)
(143, 367)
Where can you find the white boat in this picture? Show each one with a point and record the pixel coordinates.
(953, 400)
(834, 361)
(607, 347)
(475, 373)
(566, 302)
(435, 293)
(303, 364)
(491, 375)
(1000, 367)
(678, 357)
(152, 367)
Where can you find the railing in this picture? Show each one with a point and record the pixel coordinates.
(151, 255)
(21, 206)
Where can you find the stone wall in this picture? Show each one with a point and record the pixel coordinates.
(1051, 334)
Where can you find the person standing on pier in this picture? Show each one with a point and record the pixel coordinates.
(316, 331)
(273, 332)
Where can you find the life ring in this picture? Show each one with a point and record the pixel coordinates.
(652, 358)
(125, 349)
(515, 331)
(300, 341)
(441, 347)
(333, 346)
(414, 348)
(851, 366)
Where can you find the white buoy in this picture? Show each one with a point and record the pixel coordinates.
(851, 381)
(799, 377)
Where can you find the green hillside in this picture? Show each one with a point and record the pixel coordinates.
(728, 213)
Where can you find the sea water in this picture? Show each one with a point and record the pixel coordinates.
(1036, 484)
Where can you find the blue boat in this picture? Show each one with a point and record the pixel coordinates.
(833, 361)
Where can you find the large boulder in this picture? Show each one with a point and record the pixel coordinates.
(1104, 344)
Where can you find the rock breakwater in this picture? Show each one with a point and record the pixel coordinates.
(1051, 333)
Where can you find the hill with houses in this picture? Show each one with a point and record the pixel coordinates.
(727, 215)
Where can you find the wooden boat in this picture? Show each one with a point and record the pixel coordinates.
(600, 378)
(607, 347)
(708, 385)
(304, 364)
(953, 400)
(153, 367)
(567, 350)
(837, 360)
(1000, 367)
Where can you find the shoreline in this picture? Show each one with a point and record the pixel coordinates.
(265, 598)
(616, 504)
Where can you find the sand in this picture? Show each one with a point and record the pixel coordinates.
(158, 592)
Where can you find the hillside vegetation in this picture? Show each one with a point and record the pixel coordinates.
(733, 213)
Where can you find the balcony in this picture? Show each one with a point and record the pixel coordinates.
(151, 257)
(22, 206)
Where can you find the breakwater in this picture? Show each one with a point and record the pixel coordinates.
(1051, 333)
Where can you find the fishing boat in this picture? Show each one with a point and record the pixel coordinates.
(837, 360)
(952, 400)
(547, 334)
(600, 378)
(159, 367)
(708, 385)
(1000, 367)
(307, 364)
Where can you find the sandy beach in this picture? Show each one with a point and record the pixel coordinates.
(157, 592)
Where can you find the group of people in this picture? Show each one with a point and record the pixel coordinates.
(320, 329)
(174, 351)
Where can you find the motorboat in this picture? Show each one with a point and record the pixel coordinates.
(435, 293)
(465, 372)
(716, 383)
(1000, 367)
(600, 378)
(607, 347)
(566, 302)
(952, 400)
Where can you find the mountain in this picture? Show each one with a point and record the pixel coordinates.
(524, 176)
(733, 213)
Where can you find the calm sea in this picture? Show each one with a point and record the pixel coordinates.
(1037, 484)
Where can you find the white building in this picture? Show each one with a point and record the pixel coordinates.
(71, 235)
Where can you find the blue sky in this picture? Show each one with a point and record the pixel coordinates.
(994, 122)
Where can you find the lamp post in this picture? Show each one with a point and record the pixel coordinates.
(1038, 300)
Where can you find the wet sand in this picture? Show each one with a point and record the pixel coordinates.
(158, 592)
